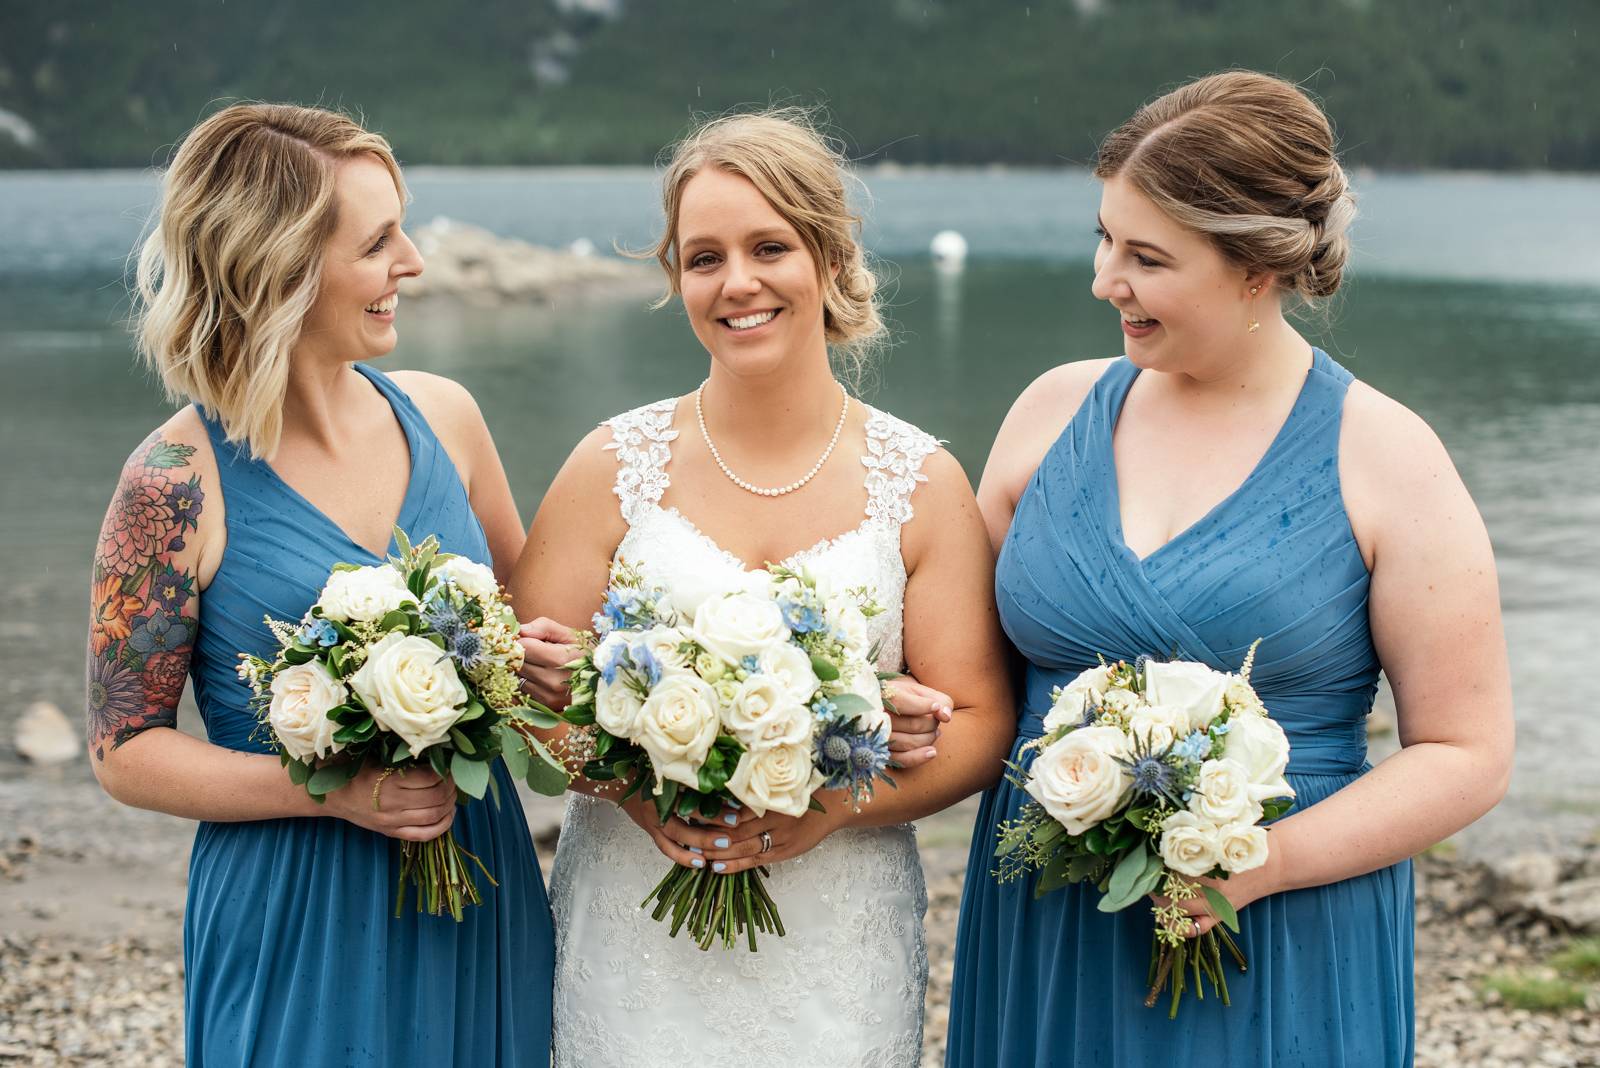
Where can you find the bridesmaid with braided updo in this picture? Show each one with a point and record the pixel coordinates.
(1223, 482)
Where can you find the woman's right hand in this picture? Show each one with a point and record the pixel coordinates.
(415, 805)
(675, 838)
(547, 648)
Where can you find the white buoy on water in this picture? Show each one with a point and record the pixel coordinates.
(949, 250)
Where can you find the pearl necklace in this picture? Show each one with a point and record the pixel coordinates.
(774, 491)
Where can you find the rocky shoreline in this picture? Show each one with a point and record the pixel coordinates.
(91, 893)
(471, 264)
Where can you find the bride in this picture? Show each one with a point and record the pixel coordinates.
(769, 461)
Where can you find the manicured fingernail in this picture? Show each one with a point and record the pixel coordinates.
(719, 866)
(734, 804)
(932, 753)
(698, 862)
(730, 819)
(721, 843)
(696, 849)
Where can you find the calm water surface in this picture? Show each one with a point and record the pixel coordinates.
(1476, 301)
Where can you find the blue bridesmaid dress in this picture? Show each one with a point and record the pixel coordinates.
(1054, 981)
(292, 953)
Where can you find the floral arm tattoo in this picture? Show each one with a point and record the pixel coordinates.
(143, 612)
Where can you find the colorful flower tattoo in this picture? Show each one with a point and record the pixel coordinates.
(142, 615)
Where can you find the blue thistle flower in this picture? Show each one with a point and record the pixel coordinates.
(467, 648)
(850, 758)
(444, 619)
(1150, 776)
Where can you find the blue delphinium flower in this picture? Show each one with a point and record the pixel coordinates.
(750, 664)
(623, 607)
(800, 617)
(643, 660)
(611, 657)
(824, 708)
(319, 632)
(1195, 747)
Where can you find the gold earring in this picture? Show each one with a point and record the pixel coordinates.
(1253, 325)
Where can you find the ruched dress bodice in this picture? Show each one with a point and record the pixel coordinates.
(1053, 980)
(291, 951)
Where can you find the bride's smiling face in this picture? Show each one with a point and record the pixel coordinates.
(1182, 304)
(750, 286)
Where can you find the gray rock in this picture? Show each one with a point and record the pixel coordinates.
(1573, 905)
(1523, 873)
(45, 736)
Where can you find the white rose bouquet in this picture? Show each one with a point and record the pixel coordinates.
(762, 695)
(409, 663)
(1148, 777)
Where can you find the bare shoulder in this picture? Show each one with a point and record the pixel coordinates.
(1385, 498)
(1036, 419)
(942, 509)
(445, 403)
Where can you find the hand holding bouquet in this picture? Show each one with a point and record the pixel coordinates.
(1149, 777)
(408, 663)
(762, 696)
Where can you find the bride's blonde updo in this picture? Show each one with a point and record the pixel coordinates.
(784, 155)
(1248, 160)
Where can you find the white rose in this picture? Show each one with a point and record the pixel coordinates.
(1243, 847)
(367, 593)
(302, 696)
(1260, 746)
(739, 625)
(790, 665)
(844, 616)
(693, 587)
(1222, 793)
(1120, 700)
(677, 724)
(1159, 725)
(474, 579)
(763, 713)
(666, 645)
(411, 689)
(1073, 700)
(1078, 780)
(777, 779)
(1193, 688)
(616, 708)
(1190, 845)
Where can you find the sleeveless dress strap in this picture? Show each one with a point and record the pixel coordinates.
(895, 451)
(642, 440)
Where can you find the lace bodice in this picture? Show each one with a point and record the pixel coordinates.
(845, 987)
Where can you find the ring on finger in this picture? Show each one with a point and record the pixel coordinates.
(766, 841)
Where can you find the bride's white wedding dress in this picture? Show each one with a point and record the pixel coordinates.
(845, 986)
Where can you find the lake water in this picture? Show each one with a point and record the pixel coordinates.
(1475, 300)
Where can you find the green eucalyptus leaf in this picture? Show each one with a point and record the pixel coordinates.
(847, 706)
(546, 775)
(397, 619)
(1222, 908)
(471, 776)
(330, 777)
(824, 669)
(299, 771)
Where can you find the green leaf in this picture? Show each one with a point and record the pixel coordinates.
(463, 743)
(494, 791)
(439, 760)
(299, 772)
(295, 655)
(1084, 866)
(850, 705)
(330, 777)
(825, 670)
(1127, 871)
(603, 743)
(1131, 879)
(402, 542)
(1222, 908)
(815, 805)
(1053, 876)
(546, 775)
(688, 804)
(514, 751)
(471, 776)
(666, 800)
(397, 619)
(402, 751)
(537, 715)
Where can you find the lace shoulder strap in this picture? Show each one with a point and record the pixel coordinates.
(895, 451)
(642, 440)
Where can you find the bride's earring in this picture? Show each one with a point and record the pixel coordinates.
(1254, 324)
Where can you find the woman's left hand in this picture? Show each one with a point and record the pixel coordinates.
(1240, 890)
(547, 648)
(790, 835)
(918, 713)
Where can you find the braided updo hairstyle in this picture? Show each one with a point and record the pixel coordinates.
(802, 175)
(1248, 160)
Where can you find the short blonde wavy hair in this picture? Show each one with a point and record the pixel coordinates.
(1248, 160)
(233, 259)
(803, 175)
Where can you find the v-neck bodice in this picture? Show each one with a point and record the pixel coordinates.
(281, 547)
(1276, 560)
